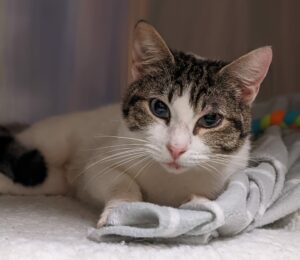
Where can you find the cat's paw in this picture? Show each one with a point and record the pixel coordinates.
(194, 200)
(103, 218)
(103, 221)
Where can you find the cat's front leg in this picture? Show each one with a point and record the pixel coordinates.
(112, 190)
(109, 207)
(126, 190)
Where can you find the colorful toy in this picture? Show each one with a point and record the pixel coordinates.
(279, 117)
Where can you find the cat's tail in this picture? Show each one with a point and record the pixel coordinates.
(20, 164)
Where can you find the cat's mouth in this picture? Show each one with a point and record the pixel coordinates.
(173, 165)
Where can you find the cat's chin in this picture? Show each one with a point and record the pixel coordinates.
(174, 168)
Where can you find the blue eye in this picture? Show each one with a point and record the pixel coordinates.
(210, 120)
(159, 109)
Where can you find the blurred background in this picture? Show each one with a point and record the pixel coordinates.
(58, 56)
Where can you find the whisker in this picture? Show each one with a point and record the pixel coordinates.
(131, 166)
(225, 156)
(113, 151)
(147, 164)
(108, 169)
(206, 168)
(113, 146)
(233, 155)
(106, 159)
(227, 161)
(121, 137)
(146, 147)
(114, 156)
(230, 161)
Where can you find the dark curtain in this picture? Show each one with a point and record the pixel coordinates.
(58, 56)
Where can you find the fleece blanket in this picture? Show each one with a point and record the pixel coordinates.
(264, 192)
(51, 227)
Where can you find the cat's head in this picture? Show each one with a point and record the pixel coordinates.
(190, 110)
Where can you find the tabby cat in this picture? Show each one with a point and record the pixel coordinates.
(182, 129)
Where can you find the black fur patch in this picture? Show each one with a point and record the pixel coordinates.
(23, 166)
(30, 169)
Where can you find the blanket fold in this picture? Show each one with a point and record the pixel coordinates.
(266, 191)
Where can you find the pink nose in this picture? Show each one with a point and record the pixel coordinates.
(176, 151)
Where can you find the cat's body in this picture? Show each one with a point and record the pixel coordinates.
(79, 144)
(183, 129)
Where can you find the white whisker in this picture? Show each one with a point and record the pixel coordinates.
(131, 166)
(108, 169)
(114, 156)
(106, 160)
(121, 137)
(114, 146)
(147, 164)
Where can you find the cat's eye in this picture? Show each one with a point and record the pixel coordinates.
(210, 120)
(159, 109)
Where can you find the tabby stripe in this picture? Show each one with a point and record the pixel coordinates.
(133, 100)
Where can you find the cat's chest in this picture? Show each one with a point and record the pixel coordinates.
(161, 187)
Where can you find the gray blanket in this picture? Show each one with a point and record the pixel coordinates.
(259, 195)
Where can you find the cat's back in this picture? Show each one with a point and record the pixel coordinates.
(59, 137)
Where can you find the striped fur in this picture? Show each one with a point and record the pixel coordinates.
(200, 78)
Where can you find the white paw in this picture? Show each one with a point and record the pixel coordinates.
(103, 221)
(194, 200)
(103, 218)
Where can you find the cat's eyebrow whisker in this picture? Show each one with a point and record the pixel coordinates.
(121, 137)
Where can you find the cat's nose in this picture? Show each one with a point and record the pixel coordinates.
(176, 150)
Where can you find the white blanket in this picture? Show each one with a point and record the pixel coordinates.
(56, 228)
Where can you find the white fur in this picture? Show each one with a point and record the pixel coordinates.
(74, 146)
(179, 132)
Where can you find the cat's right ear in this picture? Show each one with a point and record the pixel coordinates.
(148, 49)
(249, 72)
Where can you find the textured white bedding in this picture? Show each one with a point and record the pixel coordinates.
(56, 228)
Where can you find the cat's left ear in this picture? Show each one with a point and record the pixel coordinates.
(249, 72)
(148, 49)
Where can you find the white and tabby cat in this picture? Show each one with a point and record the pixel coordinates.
(183, 128)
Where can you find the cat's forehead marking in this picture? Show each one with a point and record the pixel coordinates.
(182, 108)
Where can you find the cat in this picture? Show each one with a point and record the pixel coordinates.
(182, 129)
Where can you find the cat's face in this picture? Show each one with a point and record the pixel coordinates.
(191, 111)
